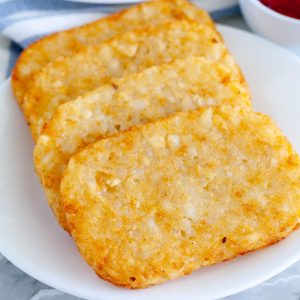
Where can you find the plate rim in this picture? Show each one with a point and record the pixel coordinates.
(107, 2)
(22, 264)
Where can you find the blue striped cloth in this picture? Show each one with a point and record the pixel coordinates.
(24, 21)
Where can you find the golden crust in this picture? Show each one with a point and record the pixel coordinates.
(67, 43)
(68, 78)
(160, 201)
(137, 99)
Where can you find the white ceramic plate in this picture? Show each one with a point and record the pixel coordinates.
(31, 239)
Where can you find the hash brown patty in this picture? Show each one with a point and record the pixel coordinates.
(195, 189)
(69, 42)
(137, 99)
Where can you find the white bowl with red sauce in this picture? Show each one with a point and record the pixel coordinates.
(277, 20)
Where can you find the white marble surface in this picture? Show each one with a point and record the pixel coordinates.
(16, 285)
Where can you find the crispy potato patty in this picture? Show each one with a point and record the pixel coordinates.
(67, 43)
(160, 201)
(137, 99)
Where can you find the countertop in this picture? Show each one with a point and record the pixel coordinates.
(16, 285)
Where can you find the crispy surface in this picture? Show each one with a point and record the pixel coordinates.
(68, 78)
(140, 98)
(158, 202)
(68, 42)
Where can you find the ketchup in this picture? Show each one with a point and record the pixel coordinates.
(289, 8)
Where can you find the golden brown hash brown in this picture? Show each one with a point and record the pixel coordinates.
(73, 76)
(67, 43)
(165, 199)
(137, 99)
